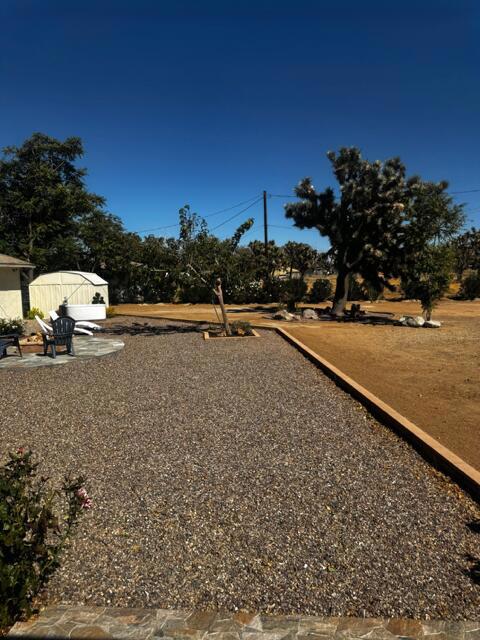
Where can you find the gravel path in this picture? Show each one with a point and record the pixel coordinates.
(235, 475)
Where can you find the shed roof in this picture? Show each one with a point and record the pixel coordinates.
(11, 262)
(91, 277)
(58, 277)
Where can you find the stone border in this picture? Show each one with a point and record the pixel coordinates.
(101, 623)
(430, 449)
(206, 336)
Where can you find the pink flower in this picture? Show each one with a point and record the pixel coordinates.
(20, 451)
(85, 500)
(87, 504)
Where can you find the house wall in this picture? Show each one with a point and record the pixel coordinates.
(10, 293)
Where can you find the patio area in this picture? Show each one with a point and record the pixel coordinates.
(233, 475)
(85, 347)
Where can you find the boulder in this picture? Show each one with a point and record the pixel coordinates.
(283, 314)
(411, 321)
(432, 324)
(309, 314)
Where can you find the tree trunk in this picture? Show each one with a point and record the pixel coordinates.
(219, 294)
(341, 292)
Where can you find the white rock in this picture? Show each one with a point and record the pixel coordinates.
(414, 321)
(284, 315)
(310, 314)
(432, 324)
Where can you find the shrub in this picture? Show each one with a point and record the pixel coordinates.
(98, 299)
(470, 288)
(321, 290)
(13, 325)
(292, 292)
(110, 311)
(357, 290)
(34, 311)
(372, 291)
(429, 277)
(196, 293)
(32, 534)
(241, 328)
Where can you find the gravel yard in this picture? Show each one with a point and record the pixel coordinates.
(235, 475)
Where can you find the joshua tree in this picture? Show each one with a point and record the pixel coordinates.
(379, 221)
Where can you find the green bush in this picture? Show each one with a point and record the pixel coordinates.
(98, 299)
(372, 292)
(321, 290)
(110, 311)
(34, 311)
(429, 277)
(470, 288)
(196, 293)
(32, 533)
(241, 328)
(357, 290)
(292, 292)
(13, 325)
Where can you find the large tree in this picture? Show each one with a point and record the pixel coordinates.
(299, 256)
(42, 198)
(377, 222)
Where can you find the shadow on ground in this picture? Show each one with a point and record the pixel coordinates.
(146, 329)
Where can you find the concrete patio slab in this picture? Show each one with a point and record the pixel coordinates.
(85, 347)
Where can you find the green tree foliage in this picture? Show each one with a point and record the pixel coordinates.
(300, 257)
(429, 277)
(379, 222)
(470, 288)
(42, 199)
(292, 292)
(467, 251)
(321, 290)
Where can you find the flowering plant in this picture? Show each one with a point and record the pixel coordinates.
(32, 531)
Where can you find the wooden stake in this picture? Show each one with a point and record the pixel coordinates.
(219, 294)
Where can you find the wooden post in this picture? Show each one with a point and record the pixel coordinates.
(219, 294)
(265, 233)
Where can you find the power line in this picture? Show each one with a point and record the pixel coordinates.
(284, 226)
(237, 214)
(210, 215)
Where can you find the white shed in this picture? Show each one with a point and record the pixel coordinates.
(49, 290)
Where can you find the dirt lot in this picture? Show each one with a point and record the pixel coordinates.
(430, 376)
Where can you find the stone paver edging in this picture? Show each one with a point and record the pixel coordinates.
(146, 624)
(434, 452)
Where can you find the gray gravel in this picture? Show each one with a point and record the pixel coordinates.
(234, 474)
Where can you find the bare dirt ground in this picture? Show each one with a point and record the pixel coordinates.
(430, 376)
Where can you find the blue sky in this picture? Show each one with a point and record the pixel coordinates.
(209, 103)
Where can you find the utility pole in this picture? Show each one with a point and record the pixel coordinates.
(265, 231)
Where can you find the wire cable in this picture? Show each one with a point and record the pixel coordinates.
(210, 215)
(237, 214)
